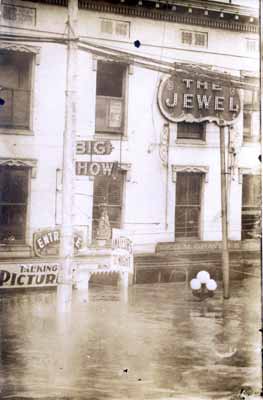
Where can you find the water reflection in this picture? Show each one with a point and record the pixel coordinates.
(157, 343)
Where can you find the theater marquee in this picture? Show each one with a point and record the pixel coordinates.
(181, 98)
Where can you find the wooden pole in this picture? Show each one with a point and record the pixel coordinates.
(67, 238)
(225, 253)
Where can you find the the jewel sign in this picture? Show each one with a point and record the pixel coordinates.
(182, 98)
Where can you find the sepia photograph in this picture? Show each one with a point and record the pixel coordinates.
(131, 200)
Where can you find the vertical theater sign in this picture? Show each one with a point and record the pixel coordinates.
(193, 99)
(196, 95)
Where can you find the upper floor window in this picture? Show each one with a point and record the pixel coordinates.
(110, 97)
(15, 89)
(250, 125)
(251, 45)
(191, 38)
(119, 29)
(192, 131)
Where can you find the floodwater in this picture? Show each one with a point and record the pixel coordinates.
(160, 343)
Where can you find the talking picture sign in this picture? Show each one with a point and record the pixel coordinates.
(30, 275)
(181, 98)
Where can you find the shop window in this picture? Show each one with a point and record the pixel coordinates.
(192, 131)
(108, 191)
(110, 97)
(251, 206)
(191, 38)
(13, 203)
(15, 89)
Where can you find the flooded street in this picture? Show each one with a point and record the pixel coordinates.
(160, 343)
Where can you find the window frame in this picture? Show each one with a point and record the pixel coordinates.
(115, 35)
(114, 132)
(121, 206)
(252, 49)
(25, 204)
(193, 38)
(249, 110)
(192, 140)
(34, 52)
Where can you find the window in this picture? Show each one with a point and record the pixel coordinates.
(193, 131)
(188, 205)
(13, 203)
(109, 191)
(110, 97)
(119, 29)
(251, 206)
(251, 105)
(251, 45)
(15, 89)
(191, 38)
(187, 37)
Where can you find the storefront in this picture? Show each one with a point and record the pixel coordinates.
(147, 157)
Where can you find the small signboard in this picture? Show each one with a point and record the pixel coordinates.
(46, 242)
(122, 251)
(194, 99)
(28, 275)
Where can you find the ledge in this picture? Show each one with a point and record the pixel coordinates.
(16, 131)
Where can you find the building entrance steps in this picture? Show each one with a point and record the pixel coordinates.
(172, 262)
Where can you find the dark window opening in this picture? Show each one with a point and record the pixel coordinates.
(195, 131)
(110, 97)
(13, 203)
(109, 191)
(251, 206)
(15, 89)
(109, 79)
(251, 105)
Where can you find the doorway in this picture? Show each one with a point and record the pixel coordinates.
(188, 205)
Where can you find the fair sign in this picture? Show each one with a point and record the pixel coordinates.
(122, 251)
(28, 275)
(193, 99)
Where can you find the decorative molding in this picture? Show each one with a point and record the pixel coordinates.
(190, 169)
(20, 162)
(127, 168)
(169, 16)
(164, 144)
(247, 171)
(23, 48)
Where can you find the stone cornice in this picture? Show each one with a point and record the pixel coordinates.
(181, 15)
(164, 15)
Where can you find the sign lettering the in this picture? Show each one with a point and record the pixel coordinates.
(195, 100)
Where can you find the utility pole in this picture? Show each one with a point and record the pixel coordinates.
(68, 173)
(225, 253)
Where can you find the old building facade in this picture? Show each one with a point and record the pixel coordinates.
(158, 180)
